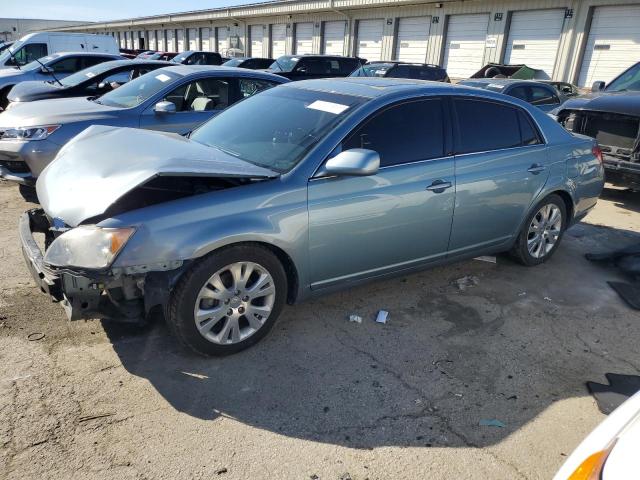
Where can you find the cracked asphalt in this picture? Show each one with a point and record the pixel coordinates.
(321, 397)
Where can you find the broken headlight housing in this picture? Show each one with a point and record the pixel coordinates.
(87, 246)
(28, 133)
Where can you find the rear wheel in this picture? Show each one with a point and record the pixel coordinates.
(542, 232)
(228, 300)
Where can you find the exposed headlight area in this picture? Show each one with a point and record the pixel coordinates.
(24, 134)
(88, 246)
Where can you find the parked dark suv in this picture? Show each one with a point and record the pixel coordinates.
(194, 57)
(393, 69)
(611, 115)
(305, 67)
(252, 63)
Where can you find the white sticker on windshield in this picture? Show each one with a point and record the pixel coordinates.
(380, 72)
(496, 85)
(90, 74)
(163, 78)
(330, 107)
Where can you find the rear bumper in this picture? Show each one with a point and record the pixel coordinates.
(622, 173)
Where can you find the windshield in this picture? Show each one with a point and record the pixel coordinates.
(137, 91)
(629, 80)
(372, 70)
(86, 74)
(284, 64)
(234, 62)
(181, 57)
(276, 128)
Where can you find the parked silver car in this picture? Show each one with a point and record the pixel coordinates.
(50, 69)
(172, 99)
(303, 189)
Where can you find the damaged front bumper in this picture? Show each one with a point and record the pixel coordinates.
(126, 295)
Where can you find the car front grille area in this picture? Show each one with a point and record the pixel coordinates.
(14, 167)
(618, 135)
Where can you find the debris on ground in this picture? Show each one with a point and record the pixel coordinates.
(355, 318)
(466, 282)
(548, 299)
(491, 423)
(220, 471)
(382, 316)
(35, 336)
(486, 258)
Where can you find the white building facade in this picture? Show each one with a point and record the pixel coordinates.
(12, 29)
(570, 40)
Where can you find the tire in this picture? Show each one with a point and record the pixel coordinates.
(4, 93)
(207, 288)
(525, 250)
(29, 193)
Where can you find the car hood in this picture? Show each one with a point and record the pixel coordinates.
(54, 111)
(624, 103)
(9, 75)
(99, 166)
(32, 89)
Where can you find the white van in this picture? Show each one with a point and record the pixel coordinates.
(38, 45)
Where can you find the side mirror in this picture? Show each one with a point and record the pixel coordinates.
(165, 107)
(355, 162)
(597, 86)
(46, 70)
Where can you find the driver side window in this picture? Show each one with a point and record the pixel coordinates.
(206, 94)
(66, 65)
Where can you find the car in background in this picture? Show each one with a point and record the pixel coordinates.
(307, 67)
(146, 54)
(52, 68)
(540, 94)
(394, 69)
(171, 99)
(4, 46)
(611, 115)
(253, 63)
(165, 56)
(272, 201)
(610, 452)
(37, 45)
(194, 57)
(92, 81)
(564, 88)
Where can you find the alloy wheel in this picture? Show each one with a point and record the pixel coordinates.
(234, 303)
(544, 230)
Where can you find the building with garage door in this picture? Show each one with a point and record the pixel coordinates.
(571, 40)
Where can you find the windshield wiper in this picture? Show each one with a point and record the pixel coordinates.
(14, 58)
(50, 71)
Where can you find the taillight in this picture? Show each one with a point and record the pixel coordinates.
(597, 152)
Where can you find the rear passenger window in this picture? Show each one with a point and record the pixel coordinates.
(520, 92)
(484, 126)
(543, 96)
(403, 133)
(527, 131)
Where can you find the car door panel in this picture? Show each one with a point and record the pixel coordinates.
(366, 226)
(501, 166)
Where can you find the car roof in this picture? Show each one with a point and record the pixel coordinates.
(84, 54)
(398, 62)
(221, 70)
(374, 87)
(317, 55)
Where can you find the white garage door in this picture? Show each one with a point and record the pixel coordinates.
(370, 39)
(171, 41)
(533, 39)
(278, 40)
(153, 45)
(206, 37)
(223, 40)
(613, 44)
(413, 38)
(304, 38)
(180, 40)
(464, 50)
(193, 38)
(333, 38)
(256, 35)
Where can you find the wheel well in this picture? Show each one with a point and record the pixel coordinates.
(568, 202)
(289, 267)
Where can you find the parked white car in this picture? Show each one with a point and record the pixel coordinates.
(41, 44)
(610, 452)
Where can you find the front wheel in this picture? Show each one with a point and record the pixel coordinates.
(228, 300)
(542, 232)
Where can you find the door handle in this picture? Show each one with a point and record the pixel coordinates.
(439, 186)
(536, 168)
